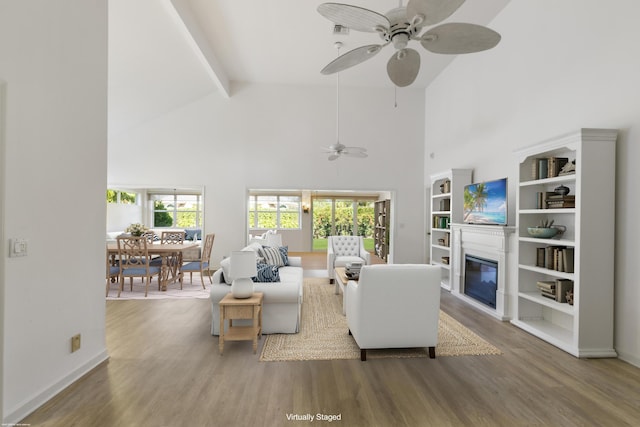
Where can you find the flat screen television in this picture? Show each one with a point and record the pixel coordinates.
(486, 203)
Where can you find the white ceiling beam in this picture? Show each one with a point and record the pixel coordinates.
(201, 46)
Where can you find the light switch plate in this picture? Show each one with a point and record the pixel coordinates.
(18, 247)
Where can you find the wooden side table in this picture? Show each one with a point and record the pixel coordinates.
(246, 308)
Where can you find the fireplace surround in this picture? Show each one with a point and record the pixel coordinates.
(489, 243)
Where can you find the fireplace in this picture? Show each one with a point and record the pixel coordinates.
(481, 279)
(482, 243)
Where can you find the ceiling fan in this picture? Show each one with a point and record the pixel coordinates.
(401, 25)
(338, 149)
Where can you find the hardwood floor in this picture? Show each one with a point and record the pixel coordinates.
(165, 370)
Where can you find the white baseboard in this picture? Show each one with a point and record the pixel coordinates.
(47, 394)
(629, 358)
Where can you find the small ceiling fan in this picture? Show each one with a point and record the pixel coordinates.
(401, 25)
(338, 149)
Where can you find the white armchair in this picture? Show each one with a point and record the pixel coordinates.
(345, 249)
(395, 306)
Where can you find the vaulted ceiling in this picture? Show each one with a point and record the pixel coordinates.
(164, 54)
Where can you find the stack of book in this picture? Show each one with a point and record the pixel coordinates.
(555, 289)
(558, 201)
(559, 258)
(547, 167)
(547, 288)
(440, 221)
(552, 200)
(352, 270)
(445, 241)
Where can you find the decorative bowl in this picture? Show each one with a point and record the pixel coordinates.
(542, 233)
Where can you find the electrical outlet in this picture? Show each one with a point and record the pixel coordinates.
(75, 343)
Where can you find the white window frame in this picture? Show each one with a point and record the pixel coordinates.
(254, 198)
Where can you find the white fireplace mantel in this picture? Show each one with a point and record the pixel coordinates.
(485, 241)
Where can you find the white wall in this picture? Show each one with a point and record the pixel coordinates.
(54, 62)
(560, 66)
(268, 136)
(120, 216)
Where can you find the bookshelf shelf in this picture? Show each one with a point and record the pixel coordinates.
(547, 271)
(552, 180)
(584, 329)
(539, 299)
(548, 211)
(548, 331)
(441, 196)
(554, 242)
(447, 190)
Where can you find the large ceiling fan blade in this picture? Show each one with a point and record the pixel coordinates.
(458, 38)
(351, 58)
(434, 11)
(359, 152)
(354, 17)
(334, 156)
(403, 67)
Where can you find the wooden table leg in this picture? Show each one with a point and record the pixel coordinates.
(221, 334)
(255, 329)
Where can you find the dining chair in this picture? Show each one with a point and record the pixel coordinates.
(149, 235)
(203, 263)
(113, 272)
(133, 259)
(175, 260)
(175, 237)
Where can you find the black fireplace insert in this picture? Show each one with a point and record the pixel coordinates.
(481, 279)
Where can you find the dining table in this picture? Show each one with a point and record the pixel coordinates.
(164, 250)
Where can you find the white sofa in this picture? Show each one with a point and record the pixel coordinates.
(394, 306)
(282, 300)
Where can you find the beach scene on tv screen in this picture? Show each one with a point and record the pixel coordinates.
(486, 202)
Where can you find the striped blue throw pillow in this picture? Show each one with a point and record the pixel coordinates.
(272, 256)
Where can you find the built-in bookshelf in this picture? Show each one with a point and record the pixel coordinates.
(447, 200)
(382, 213)
(564, 290)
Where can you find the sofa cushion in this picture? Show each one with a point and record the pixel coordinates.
(255, 247)
(266, 273)
(342, 261)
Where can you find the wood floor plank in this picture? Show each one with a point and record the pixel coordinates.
(165, 370)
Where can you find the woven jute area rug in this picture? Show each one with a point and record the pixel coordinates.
(324, 333)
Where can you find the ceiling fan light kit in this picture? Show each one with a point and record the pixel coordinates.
(399, 27)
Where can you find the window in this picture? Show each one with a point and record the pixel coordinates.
(177, 210)
(274, 211)
(123, 197)
(343, 217)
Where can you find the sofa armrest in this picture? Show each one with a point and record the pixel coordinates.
(331, 258)
(217, 276)
(364, 254)
(295, 261)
